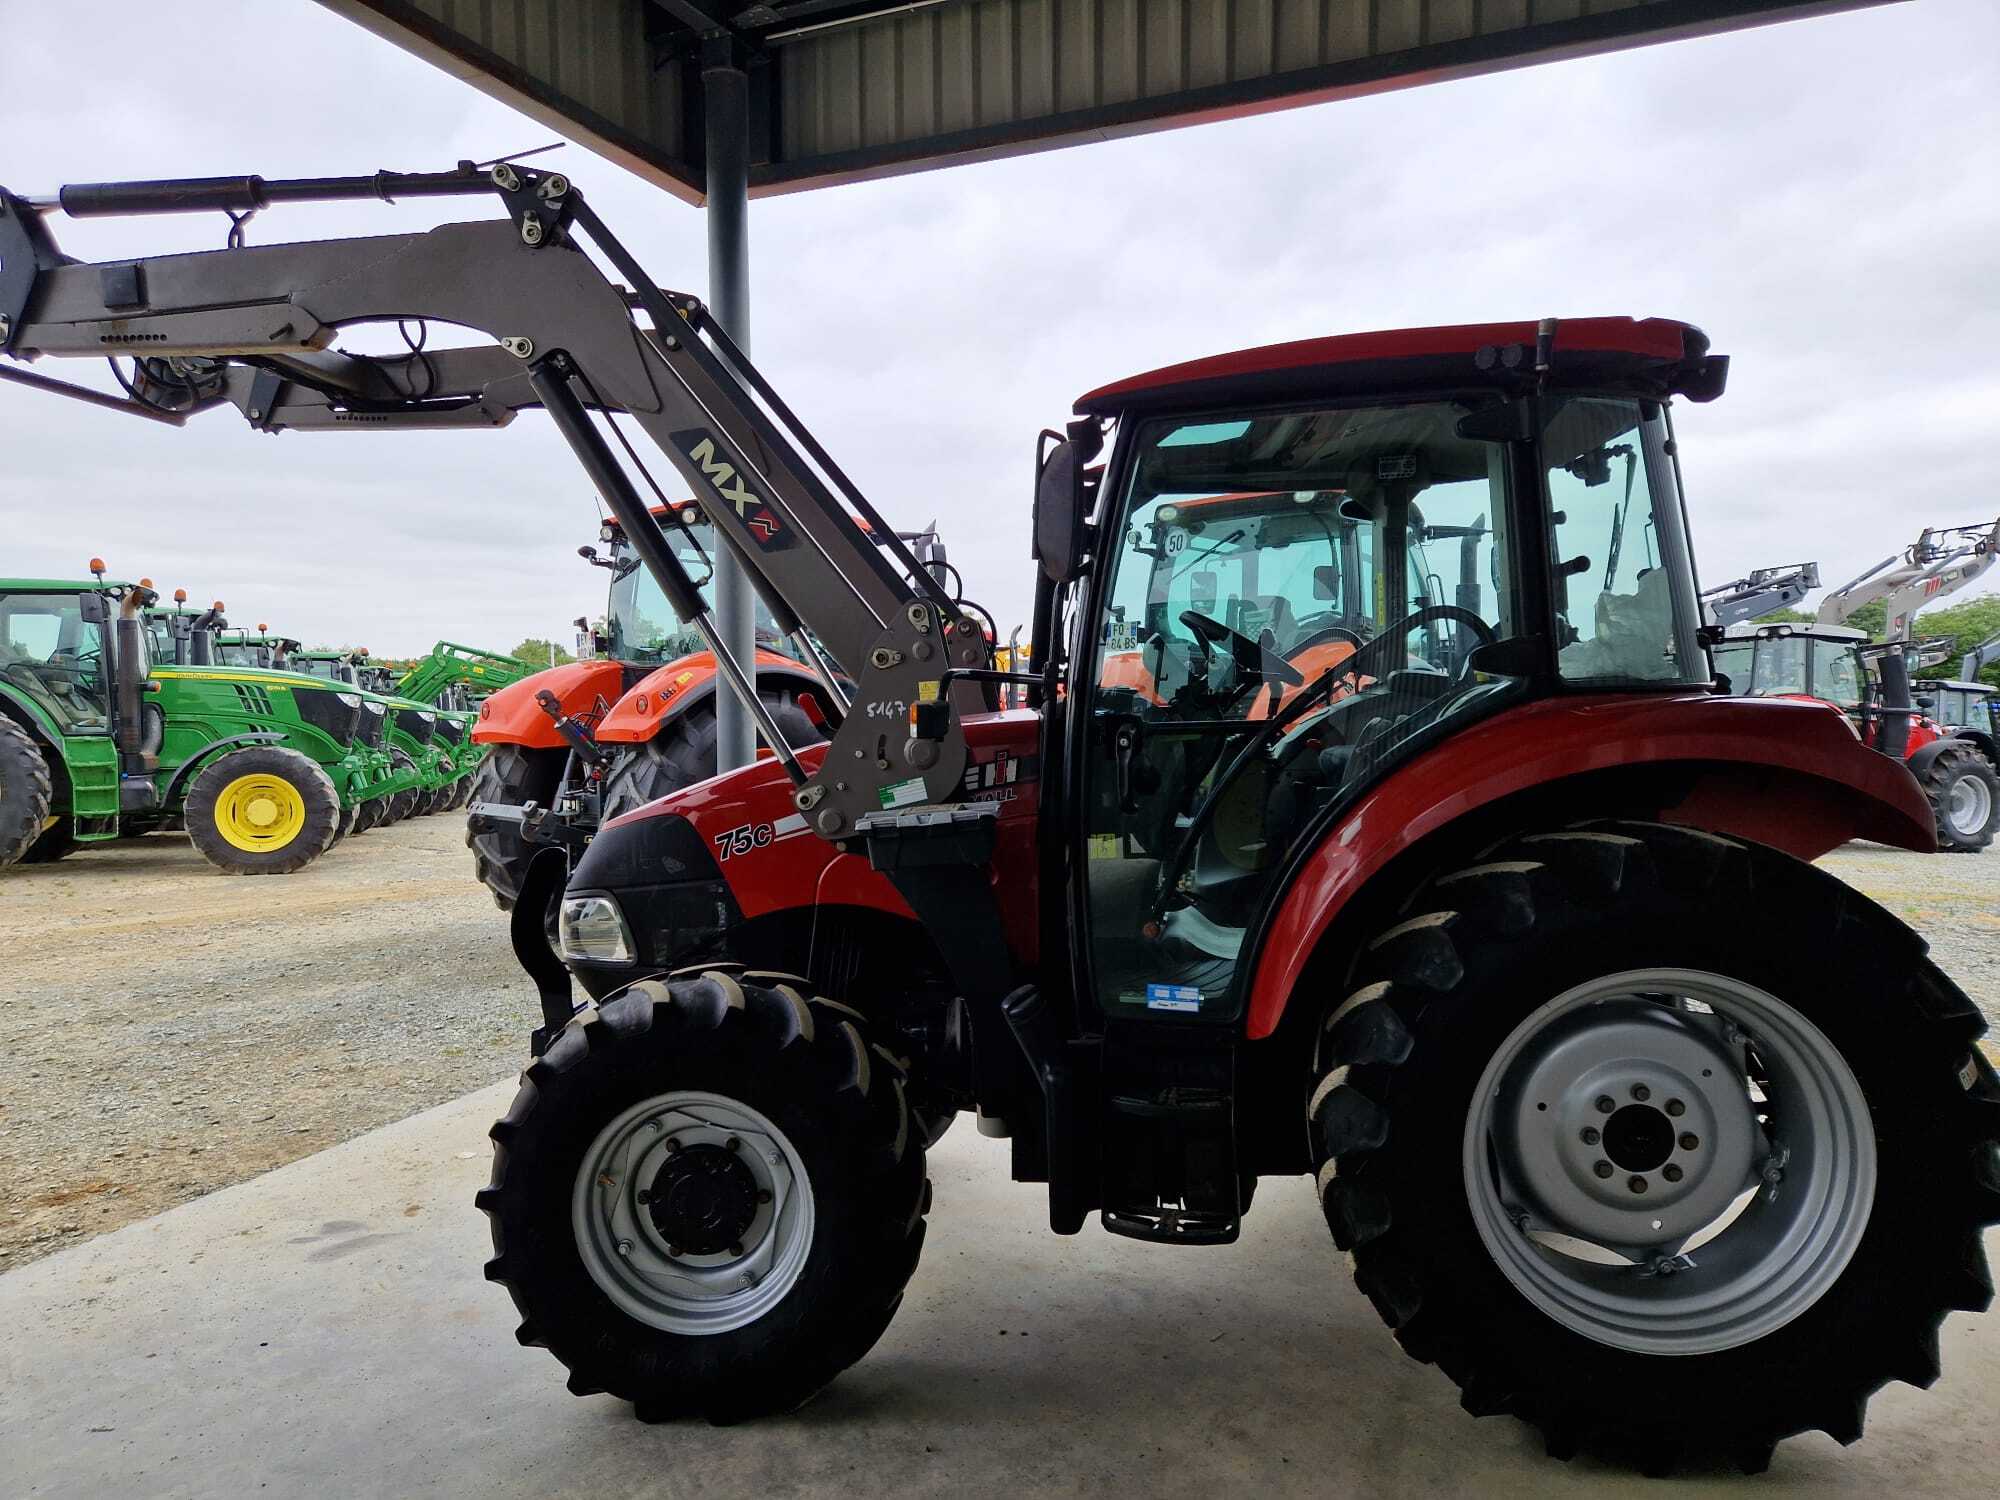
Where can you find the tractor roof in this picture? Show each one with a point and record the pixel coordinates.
(59, 586)
(1652, 356)
(1750, 630)
(1955, 682)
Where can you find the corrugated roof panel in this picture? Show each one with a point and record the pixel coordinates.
(960, 80)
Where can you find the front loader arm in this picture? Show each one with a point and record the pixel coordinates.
(255, 326)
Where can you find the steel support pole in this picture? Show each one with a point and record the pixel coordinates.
(726, 99)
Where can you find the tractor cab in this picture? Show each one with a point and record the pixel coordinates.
(1299, 583)
(182, 637)
(53, 651)
(1795, 661)
(641, 628)
(1973, 706)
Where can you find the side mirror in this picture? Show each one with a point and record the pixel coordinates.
(1059, 502)
(92, 609)
(1326, 582)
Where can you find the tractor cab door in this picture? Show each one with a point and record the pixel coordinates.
(1291, 604)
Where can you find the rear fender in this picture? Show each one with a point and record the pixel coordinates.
(662, 696)
(513, 717)
(1788, 774)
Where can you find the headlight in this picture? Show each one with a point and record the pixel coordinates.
(592, 930)
(427, 717)
(352, 700)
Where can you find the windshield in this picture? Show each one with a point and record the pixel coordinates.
(642, 625)
(54, 657)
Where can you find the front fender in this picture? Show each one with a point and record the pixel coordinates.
(185, 774)
(1786, 773)
(664, 694)
(513, 717)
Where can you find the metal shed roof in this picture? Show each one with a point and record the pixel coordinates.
(843, 90)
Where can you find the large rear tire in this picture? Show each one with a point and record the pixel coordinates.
(707, 1196)
(1623, 1167)
(1964, 793)
(25, 792)
(512, 775)
(683, 752)
(262, 810)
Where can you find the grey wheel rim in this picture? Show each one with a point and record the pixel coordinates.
(693, 1213)
(1969, 806)
(1740, 1156)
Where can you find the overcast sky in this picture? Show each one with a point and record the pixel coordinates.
(1820, 196)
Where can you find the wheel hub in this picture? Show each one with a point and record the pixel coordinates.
(703, 1199)
(1627, 1125)
(1670, 1161)
(693, 1212)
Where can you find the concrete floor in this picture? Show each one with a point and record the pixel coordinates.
(323, 1330)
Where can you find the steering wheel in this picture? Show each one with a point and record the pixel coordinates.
(1251, 657)
(1396, 636)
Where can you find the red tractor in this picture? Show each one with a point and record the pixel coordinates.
(1472, 902)
(592, 738)
(588, 740)
(1832, 663)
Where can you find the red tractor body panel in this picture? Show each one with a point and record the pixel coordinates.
(658, 698)
(1781, 772)
(513, 717)
(774, 862)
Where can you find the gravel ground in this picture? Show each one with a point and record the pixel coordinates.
(178, 1030)
(181, 1030)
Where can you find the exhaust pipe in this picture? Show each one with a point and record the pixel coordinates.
(130, 690)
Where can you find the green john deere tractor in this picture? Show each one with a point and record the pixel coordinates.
(402, 768)
(259, 766)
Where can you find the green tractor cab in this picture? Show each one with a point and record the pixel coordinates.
(98, 743)
(181, 637)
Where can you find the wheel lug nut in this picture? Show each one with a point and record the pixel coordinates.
(1603, 1169)
(1641, 1092)
(624, 1247)
(1689, 1140)
(1676, 1108)
(1636, 1183)
(1605, 1104)
(1672, 1173)
(1591, 1136)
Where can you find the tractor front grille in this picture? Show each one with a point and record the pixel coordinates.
(450, 731)
(326, 713)
(415, 724)
(374, 724)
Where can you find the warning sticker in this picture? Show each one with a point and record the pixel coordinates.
(902, 793)
(1173, 997)
(927, 692)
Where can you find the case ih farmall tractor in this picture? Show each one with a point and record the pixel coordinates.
(1498, 925)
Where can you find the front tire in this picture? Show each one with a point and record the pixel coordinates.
(1964, 793)
(1486, 1230)
(262, 810)
(707, 1196)
(683, 752)
(512, 775)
